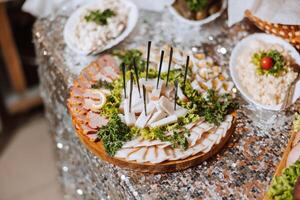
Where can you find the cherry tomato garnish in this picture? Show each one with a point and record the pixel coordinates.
(267, 62)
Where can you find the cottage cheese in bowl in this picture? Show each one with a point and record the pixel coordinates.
(265, 90)
(85, 35)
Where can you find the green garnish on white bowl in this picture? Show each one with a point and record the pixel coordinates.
(269, 62)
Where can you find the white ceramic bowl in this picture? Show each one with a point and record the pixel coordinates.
(268, 39)
(206, 20)
(73, 19)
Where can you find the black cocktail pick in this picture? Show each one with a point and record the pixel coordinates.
(169, 66)
(148, 58)
(145, 103)
(186, 70)
(124, 78)
(159, 69)
(176, 91)
(130, 92)
(137, 76)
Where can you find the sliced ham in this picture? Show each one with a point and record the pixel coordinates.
(77, 109)
(82, 83)
(91, 104)
(75, 101)
(87, 130)
(102, 77)
(93, 137)
(81, 117)
(76, 91)
(109, 72)
(92, 94)
(86, 75)
(107, 61)
(96, 120)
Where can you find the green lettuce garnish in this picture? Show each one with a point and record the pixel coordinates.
(282, 187)
(296, 123)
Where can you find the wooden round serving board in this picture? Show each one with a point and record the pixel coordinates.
(84, 81)
(167, 166)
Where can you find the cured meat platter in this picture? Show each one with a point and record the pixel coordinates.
(153, 110)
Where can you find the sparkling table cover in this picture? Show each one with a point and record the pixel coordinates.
(242, 170)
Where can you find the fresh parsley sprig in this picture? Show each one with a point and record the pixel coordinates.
(196, 5)
(99, 17)
(128, 56)
(278, 60)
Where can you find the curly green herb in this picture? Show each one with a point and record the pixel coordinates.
(114, 134)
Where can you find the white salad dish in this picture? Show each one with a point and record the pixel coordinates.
(80, 40)
(204, 21)
(238, 61)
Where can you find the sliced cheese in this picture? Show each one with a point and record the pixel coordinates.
(132, 143)
(157, 116)
(123, 153)
(165, 121)
(142, 120)
(138, 155)
(166, 105)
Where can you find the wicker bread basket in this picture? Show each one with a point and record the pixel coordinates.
(291, 33)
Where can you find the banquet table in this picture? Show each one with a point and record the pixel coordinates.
(243, 169)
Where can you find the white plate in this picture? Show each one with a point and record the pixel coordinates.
(206, 20)
(73, 19)
(269, 39)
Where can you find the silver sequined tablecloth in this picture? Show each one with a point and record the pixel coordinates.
(242, 170)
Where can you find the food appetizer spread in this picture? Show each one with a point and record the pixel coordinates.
(99, 25)
(286, 186)
(152, 105)
(265, 72)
